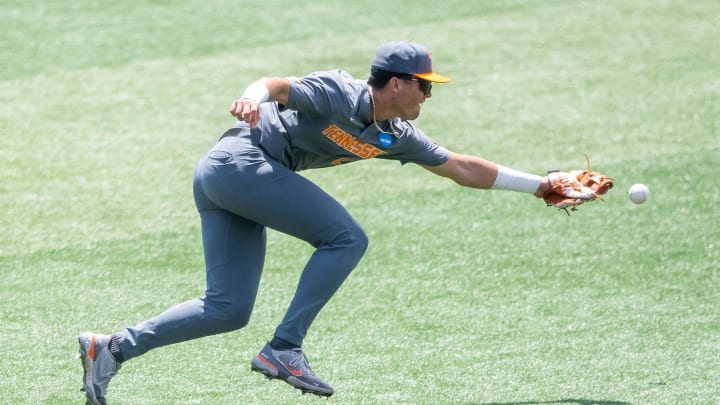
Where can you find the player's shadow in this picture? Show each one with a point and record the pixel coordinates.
(568, 401)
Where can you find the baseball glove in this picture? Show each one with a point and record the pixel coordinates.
(570, 189)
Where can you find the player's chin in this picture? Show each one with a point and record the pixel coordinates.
(411, 115)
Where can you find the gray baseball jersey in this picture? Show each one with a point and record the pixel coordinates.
(322, 125)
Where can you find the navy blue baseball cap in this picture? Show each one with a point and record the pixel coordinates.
(407, 58)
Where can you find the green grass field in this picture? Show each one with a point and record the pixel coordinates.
(464, 296)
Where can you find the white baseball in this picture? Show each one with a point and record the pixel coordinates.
(639, 193)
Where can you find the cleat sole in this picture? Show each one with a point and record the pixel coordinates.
(269, 376)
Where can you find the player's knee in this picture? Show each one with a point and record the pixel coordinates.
(354, 238)
(239, 318)
(232, 315)
(361, 240)
(235, 318)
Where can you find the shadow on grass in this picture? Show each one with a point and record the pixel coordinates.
(569, 401)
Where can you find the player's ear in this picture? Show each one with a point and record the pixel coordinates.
(395, 83)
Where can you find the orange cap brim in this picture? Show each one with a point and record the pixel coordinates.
(432, 77)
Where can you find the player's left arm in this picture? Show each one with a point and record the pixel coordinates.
(476, 172)
(246, 108)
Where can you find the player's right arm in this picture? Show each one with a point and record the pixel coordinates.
(246, 108)
(476, 172)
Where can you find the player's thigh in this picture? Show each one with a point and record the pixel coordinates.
(296, 206)
(234, 249)
(288, 202)
(240, 178)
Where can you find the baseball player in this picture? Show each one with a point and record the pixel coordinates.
(248, 181)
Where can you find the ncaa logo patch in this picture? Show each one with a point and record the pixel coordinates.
(385, 139)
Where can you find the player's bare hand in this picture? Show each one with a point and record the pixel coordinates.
(246, 110)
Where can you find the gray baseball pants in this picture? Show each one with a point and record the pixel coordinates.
(239, 191)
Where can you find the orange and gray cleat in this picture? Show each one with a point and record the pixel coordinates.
(99, 366)
(292, 367)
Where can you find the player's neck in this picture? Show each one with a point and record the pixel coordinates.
(379, 110)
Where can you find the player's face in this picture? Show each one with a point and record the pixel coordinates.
(413, 93)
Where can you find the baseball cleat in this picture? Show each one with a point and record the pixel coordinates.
(292, 367)
(99, 366)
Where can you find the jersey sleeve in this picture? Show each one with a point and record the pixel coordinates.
(413, 146)
(320, 93)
